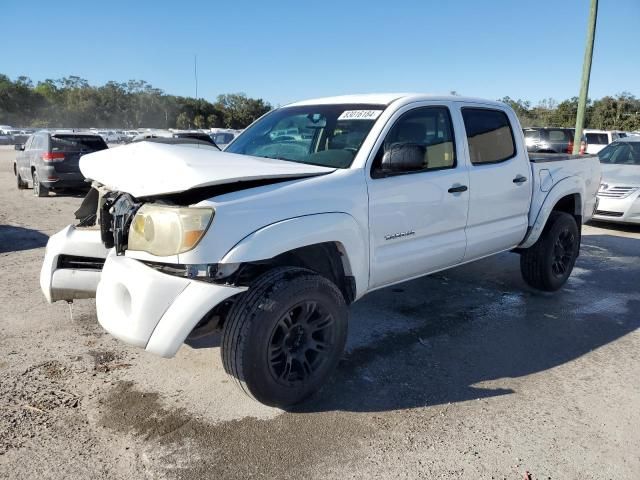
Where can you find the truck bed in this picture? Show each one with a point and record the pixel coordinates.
(555, 157)
(549, 169)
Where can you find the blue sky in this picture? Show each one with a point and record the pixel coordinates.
(288, 50)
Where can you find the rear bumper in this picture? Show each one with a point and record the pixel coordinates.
(153, 310)
(619, 210)
(55, 179)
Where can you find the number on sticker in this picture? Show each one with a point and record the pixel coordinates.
(360, 115)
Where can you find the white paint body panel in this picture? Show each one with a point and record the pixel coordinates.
(414, 204)
(156, 311)
(627, 205)
(156, 168)
(152, 310)
(498, 208)
(70, 284)
(276, 238)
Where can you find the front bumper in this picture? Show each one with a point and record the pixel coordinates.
(71, 283)
(619, 210)
(152, 310)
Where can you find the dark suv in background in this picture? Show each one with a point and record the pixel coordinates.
(551, 140)
(50, 160)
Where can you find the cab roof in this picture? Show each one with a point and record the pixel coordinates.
(388, 98)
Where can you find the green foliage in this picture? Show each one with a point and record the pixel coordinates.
(239, 111)
(621, 112)
(71, 102)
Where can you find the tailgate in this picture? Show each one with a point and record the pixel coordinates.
(70, 164)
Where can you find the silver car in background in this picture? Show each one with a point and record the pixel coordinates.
(619, 194)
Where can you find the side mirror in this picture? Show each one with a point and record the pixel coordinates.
(404, 157)
(19, 146)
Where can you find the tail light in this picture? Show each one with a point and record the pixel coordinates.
(53, 157)
(583, 147)
(570, 148)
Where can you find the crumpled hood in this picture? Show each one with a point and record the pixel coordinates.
(146, 169)
(628, 175)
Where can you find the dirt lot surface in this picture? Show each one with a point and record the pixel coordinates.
(464, 374)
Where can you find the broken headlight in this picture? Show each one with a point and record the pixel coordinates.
(162, 230)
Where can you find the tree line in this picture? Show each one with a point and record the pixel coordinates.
(620, 112)
(73, 103)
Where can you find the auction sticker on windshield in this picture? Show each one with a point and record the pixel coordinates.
(359, 114)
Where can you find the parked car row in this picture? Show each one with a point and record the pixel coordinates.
(560, 140)
(11, 136)
(50, 160)
(219, 136)
(47, 160)
(619, 193)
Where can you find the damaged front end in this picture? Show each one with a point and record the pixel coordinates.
(117, 211)
(112, 212)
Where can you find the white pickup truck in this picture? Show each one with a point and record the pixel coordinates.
(272, 239)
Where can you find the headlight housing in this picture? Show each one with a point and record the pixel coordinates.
(163, 230)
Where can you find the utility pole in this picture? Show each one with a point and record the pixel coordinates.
(586, 73)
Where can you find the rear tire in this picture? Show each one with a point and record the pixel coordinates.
(38, 189)
(547, 264)
(21, 184)
(284, 336)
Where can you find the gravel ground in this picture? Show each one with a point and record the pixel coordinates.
(464, 374)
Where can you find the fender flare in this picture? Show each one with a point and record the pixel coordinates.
(567, 186)
(285, 235)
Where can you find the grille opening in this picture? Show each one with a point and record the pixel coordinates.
(80, 263)
(606, 213)
(617, 192)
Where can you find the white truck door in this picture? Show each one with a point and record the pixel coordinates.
(417, 218)
(500, 180)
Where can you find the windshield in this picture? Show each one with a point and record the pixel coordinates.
(77, 143)
(326, 135)
(621, 153)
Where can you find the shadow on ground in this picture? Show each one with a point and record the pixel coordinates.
(435, 340)
(15, 239)
(617, 227)
(479, 323)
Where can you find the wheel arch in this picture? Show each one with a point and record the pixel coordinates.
(566, 196)
(331, 244)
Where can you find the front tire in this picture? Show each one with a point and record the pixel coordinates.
(38, 189)
(285, 335)
(547, 264)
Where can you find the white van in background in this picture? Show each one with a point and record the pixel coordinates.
(598, 139)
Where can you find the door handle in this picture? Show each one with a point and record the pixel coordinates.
(519, 179)
(458, 189)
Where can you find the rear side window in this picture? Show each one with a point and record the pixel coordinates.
(597, 138)
(38, 143)
(489, 135)
(532, 134)
(560, 135)
(77, 143)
